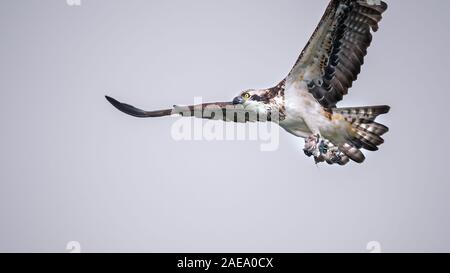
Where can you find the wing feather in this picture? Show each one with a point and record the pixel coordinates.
(332, 58)
(225, 111)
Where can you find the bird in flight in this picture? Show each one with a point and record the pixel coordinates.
(304, 103)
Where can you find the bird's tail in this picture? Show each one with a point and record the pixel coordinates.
(364, 133)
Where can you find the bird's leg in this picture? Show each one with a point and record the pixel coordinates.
(333, 155)
(315, 144)
(312, 142)
(322, 150)
(317, 147)
(311, 145)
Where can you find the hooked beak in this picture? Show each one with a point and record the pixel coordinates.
(238, 100)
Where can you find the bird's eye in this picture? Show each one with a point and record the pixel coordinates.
(246, 96)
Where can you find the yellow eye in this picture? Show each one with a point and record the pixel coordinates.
(246, 96)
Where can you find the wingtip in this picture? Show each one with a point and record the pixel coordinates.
(114, 102)
(117, 104)
(111, 100)
(386, 109)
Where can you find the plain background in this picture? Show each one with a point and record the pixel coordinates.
(72, 168)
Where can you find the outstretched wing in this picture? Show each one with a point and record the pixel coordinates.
(333, 57)
(225, 111)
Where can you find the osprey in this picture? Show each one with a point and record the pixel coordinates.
(304, 103)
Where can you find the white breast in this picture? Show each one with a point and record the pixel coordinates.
(300, 105)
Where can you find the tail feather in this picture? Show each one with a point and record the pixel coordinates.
(365, 133)
(353, 153)
(361, 142)
(369, 137)
(368, 113)
(371, 127)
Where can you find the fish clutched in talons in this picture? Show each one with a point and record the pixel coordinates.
(312, 146)
(324, 151)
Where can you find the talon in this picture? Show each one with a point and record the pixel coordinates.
(307, 153)
(319, 159)
(315, 146)
(336, 159)
(323, 151)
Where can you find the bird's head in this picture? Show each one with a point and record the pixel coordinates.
(253, 100)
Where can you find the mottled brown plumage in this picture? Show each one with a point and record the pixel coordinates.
(336, 51)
